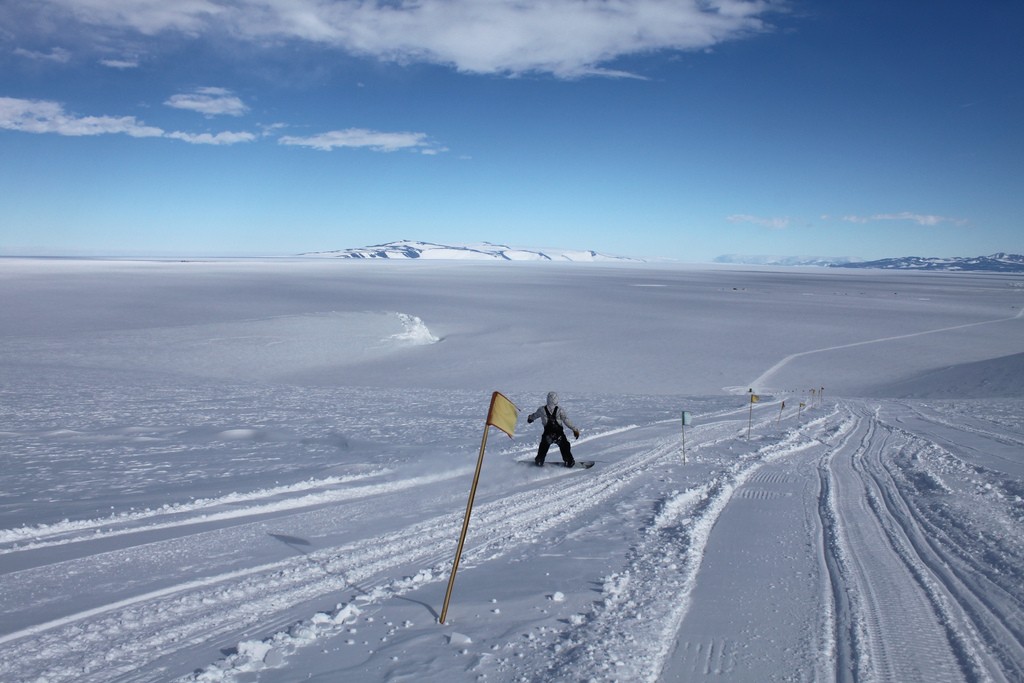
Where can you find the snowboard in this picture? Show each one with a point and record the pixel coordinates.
(580, 464)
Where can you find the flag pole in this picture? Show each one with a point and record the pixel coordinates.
(465, 525)
(750, 413)
(686, 421)
(502, 414)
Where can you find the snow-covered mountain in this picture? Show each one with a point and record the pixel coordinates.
(750, 260)
(1000, 262)
(410, 249)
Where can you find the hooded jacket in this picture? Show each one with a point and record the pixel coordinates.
(556, 410)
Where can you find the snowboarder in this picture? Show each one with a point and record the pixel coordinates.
(553, 417)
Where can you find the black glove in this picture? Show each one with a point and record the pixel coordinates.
(529, 420)
(575, 433)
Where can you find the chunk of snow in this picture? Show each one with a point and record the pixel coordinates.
(459, 640)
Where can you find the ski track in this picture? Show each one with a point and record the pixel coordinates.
(904, 597)
(134, 632)
(68, 531)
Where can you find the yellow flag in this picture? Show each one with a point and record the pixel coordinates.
(754, 398)
(503, 414)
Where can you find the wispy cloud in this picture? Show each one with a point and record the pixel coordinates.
(362, 138)
(209, 102)
(57, 54)
(223, 138)
(120, 63)
(772, 223)
(568, 39)
(148, 17)
(906, 216)
(41, 116)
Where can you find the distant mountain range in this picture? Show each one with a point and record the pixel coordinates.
(404, 250)
(748, 260)
(484, 251)
(999, 263)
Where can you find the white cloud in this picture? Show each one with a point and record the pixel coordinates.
(360, 137)
(120, 63)
(919, 218)
(210, 102)
(224, 138)
(57, 54)
(568, 38)
(772, 223)
(145, 16)
(41, 116)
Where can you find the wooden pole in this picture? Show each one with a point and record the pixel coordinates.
(750, 413)
(465, 526)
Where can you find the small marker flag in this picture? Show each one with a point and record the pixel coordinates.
(754, 398)
(503, 414)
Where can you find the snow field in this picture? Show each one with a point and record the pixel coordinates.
(268, 484)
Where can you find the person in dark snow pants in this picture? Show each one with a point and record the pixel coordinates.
(553, 416)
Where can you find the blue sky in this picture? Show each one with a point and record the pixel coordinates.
(651, 128)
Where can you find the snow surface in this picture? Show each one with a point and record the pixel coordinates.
(258, 470)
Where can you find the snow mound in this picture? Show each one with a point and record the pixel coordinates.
(415, 331)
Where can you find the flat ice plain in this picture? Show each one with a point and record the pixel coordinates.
(257, 470)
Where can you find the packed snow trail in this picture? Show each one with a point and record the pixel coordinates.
(150, 626)
(978, 597)
(652, 594)
(896, 620)
(757, 604)
(884, 593)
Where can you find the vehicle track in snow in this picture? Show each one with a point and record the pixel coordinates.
(976, 597)
(901, 612)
